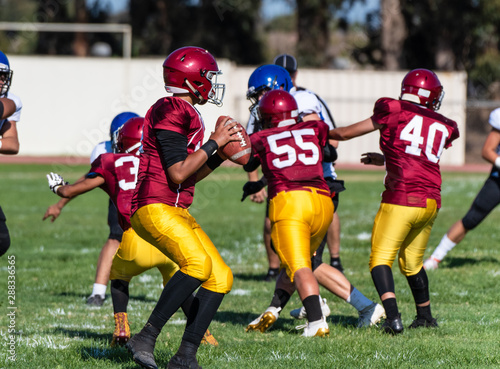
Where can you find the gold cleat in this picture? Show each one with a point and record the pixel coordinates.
(121, 335)
(265, 320)
(209, 339)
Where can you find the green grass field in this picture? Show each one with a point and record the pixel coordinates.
(55, 268)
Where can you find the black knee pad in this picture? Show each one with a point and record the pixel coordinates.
(419, 284)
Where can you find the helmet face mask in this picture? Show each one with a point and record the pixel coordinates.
(278, 108)
(193, 70)
(5, 75)
(423, 87)
(267, 77)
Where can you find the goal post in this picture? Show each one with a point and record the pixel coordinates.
(126, 29)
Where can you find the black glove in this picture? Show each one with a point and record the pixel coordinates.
(329, 153)
(252, 187)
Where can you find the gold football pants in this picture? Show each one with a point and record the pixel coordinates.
(135, 256)
(176, 234)
(405, 229)
(299, 221)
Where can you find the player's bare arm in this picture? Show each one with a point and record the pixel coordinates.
(312, 116)
(61, 188)
(354, 130)
(9, 143)
(182, 170)
(489, 152)
(7, 107)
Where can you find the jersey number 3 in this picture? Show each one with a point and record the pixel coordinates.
(309, 154)
(412, 132)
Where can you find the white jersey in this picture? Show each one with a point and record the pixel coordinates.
(17, 114)
(494, 121)
(100, 148)
(309, 103)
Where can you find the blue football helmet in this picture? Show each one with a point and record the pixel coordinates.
(267, 77)
(5, 74)
(119, 121)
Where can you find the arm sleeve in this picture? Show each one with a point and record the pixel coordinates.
(253, 163)
(173, 146)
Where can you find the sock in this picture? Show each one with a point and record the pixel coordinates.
(99, 289)
(391, 308)
(424, 312)
(313, 308)
(119, 295)
(358, 300)
(280, 298)
(175, 292)
(443, 248)
(186, 305)
(203, 309)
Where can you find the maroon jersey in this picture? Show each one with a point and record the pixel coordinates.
(120, 175)
(291, 156)
(153, 184)
(412, 139)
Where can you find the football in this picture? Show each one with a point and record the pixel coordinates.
(237, 151)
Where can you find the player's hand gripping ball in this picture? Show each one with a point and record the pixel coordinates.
(237, 151)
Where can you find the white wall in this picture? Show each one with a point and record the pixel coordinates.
(70, 102)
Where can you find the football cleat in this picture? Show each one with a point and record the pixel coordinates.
(301, 313)
(318, 328)
(142, 346)
(209, 339)
(95, 300)
(371, 315)
(264, 321)
(393, 326)
(423, 322)
(121, 335)
(431, 263)
(182, 362)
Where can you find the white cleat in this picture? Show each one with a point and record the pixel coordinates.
(371, 315)
(318, 328)
(301, 313)
(431, 264)
(264, 321)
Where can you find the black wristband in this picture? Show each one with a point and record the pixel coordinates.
(1, 109)
(209, 147)
(214, 161)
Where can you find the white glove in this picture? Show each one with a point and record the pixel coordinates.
(55, 181)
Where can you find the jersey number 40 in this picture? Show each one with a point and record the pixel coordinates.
(412, 132)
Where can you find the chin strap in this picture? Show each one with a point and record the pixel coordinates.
(193, 90)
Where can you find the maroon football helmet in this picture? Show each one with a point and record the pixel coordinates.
(193, 70)
(278, 108)
(128, 136)
(425, 86)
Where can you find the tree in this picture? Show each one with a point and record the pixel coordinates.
(313, 32)
(228, 28)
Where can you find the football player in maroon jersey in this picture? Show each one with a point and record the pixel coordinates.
(291, 154)
(172, 161)
(116, 174)
(412, 138)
